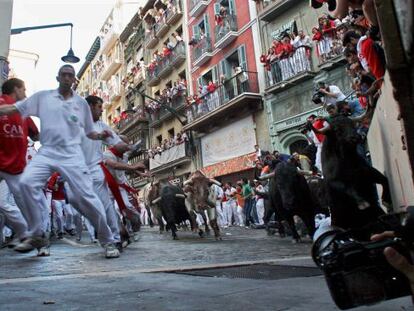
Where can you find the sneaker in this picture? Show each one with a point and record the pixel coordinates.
(29, 244)
(137, 236)
(111, 251)
(43, 251)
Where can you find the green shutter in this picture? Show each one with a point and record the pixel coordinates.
(207, 25)
(216, 8)
(232, 7)
(196, 32)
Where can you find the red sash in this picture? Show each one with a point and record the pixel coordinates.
(114, 187)
(128, 188)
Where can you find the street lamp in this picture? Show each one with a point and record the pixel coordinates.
(68, 58)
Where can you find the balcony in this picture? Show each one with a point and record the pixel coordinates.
(241, 92)
(289, 70)
(111, 65)
(174, 12)
(272, 9)
(176, 155)
(150, 39)
(108, 39)
(153, 77)
(131, 120)
(114, 89)
(226, 32)
(164, 67)
(162, 114)
(202, 51)
(161, 27)
(197, 6)
(178, 55)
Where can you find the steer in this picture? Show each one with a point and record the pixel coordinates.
(200, 197)
(150, 193)
(172, 207)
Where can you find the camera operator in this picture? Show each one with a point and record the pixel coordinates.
(331, 93)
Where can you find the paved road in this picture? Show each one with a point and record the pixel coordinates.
(78, 277)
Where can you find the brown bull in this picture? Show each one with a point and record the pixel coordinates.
(201, 197)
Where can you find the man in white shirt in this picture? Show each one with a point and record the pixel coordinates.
(117, 163)
(64, 117)
(231, 205)
(332, 93)
(93, 151)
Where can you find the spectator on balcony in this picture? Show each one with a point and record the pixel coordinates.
(302, 44)
(328, 29)
(343, 8)
(265, 59)
(320, 47)
(182, 85)
(285, 51)
(177, 38)
(166, 50)
(213, 98)
(370, 54)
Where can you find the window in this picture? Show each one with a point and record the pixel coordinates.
(171, 133)
(159, 139)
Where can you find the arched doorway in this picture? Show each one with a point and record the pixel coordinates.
(298, 146)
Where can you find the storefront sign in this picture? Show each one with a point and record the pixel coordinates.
(229, 142)
(231, 166)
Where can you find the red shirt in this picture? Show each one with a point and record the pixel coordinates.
(372, 58)
(13, 139)
(58, 194)
(318, 124)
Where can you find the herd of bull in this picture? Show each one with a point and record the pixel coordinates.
(347, 191)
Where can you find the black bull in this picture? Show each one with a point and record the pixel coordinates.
(350, 180)
(289, 195)
(172, 207)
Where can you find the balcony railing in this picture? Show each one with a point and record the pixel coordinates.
(161, 27)
(289, 67)
(130, 119)
(167, 64)
(197, 6)
(173, 12)
(330, 48)
(170, 157)
(202, 51)
(150, 39)
(243, 82)
(176, 102)
(223, 30)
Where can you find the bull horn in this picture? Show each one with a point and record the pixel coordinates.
(215, 182)
(267, 176)
(187, 182)
(156, 200)
(180, 195)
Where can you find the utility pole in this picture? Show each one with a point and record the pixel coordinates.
(6, 9)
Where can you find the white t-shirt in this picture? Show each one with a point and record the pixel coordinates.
(335, 90)
(63, 121)
(119, 175)
(230, 193)
(93, 149)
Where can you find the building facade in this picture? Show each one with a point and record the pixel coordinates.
(166, 87)
(225, 109)
(290, 80)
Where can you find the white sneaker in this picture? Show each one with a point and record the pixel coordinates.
(111, 251)
(43, 251)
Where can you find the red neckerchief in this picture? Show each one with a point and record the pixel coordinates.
(116, 152)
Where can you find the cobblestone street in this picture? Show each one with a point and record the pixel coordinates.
(77, 277)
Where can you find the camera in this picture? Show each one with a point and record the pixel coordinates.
(318, 97)
(357, 272)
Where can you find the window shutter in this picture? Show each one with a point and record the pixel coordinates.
(242, 57)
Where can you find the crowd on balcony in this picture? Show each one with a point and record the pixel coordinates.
(178, 139)
(167, 96)
(160, 14)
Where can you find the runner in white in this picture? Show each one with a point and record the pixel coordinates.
(64, 117)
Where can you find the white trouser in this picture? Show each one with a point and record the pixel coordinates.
(221, 220)
(9, 194)
(228, 211)
(239, 215)
(101, 189)
(47, 212)
(260, 210)
(58, 206)
(70, 163)
(318, 159)
(90, 228)
(144, 216)
(69, 216)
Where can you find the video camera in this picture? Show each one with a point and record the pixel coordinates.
(318, 97)
(357, 272)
